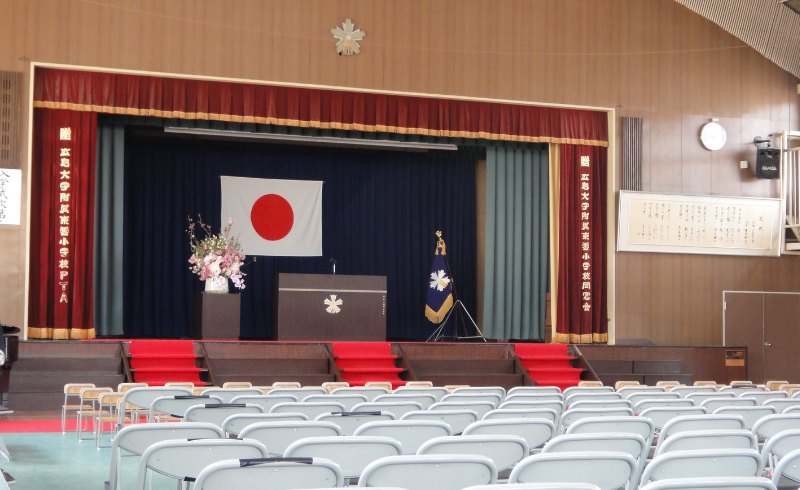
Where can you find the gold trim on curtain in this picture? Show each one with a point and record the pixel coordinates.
(574, 338)
(60, 333)
(553, 152)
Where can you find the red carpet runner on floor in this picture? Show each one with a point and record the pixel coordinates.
(163, 361)
(361, 362)
(21, 426)
(548, 364)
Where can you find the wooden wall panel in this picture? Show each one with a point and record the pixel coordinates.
(655, 60)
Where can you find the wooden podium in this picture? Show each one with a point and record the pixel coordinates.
(304, 307)
(216, 316)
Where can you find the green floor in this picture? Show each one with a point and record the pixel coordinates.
(58, 461)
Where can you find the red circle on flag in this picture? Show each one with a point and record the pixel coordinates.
(272, 217)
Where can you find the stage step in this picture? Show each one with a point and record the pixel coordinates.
(362, 362)
(157, 362)
(549, 364)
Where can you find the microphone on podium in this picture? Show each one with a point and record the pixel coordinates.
(333, 261)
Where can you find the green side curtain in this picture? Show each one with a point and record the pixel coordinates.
(517, 243)
(108, 216)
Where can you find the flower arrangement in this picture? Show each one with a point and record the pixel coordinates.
(216, 257)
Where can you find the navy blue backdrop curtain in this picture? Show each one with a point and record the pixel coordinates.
(380, 212)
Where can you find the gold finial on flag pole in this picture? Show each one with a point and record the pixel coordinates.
(440, 244)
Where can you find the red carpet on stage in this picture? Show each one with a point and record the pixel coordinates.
(549, 364)
(21, 426)
(157, 362)
(362, 362)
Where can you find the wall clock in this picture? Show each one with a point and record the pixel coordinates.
(713, 136)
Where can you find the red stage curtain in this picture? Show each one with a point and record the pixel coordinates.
(582, 310)
(62, 225)
(314, 108)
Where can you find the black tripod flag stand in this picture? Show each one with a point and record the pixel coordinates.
(443, 298)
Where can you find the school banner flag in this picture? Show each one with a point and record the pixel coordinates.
(274, 217)
(440, 290)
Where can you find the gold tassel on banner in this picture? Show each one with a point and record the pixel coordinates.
(438, 316)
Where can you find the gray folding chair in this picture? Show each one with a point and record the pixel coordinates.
(643, 405)
(694, 423)
(458, 420)
(347, 401)
(556, 405)
(703, 396)
(737, 391)
(719, 483)
(135, 439)
(140, 399)
(788, 467)
(459, 397)
(176, 406)
(532, 389)
(623, 442)
(598, 404)
(410, 433)
(688, 390)
(624, 425)
(762, 396)
(312, 410)
(661, 415)
(715, 403)
(524, 396)
(635, 398)
(280, 435)
(349, 422)
(540, 413)
(236, 423)
(504, 450)
(538, 486)
(781, 404)
(438, 392)
(272, 473)
(300, 393)
(751, 415)
(266, 401)
(472, 390)
(703, 463)
(535, 431)
(770, 425)
(478, 407)
(228, 394)
(608, 470)
(579, 397)
(351, 453)
(629, 390)
(571, 416)
(398, 408)
(587, 389)
(216, 414)
(779, 446)
(425, 400)
(708, 439)
(370, 393)
(430, 472)
(184, 459)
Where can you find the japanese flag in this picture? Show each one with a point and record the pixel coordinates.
(274, 217)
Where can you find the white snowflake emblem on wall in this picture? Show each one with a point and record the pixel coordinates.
(348, 38)
(333, 304)
(439, 280)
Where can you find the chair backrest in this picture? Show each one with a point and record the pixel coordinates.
(590, 383)
(425, 400)
(571, 398)
(751, 415)
(608, 470)
(623, 442)
(398, 408)
(301, 393)
(708, 439)
(418, 384)
(535, 431)
(286, 384)
(504, 450)
(93, 394)
(635, 398)
(720, 483)
(379, 384)
(629, 390)
(411, 433)
(788, 467)
(701, 397)
(370, 393)
(176, 406)
(694, 423)
(186, 458)
(662, 415)
(265, 401)
(737, 391)
(539, 413)
(538, 486)
(458, 420)
(703, 463)
(781, 404)
(570, 416)
(351, 453)
(462, 396)
(497, 390)
(437, 391)
(524, 396)
(178, 384)
(772, 424)
(610, 404)
(228, 394)
(123, 387)
(272, 473)
(532, 389)
(705, 383)
(715, 403)
(780, 445)
(349, 422)
(478, 407)
(237, 422)
(312, 410)
(556, 405)
(643, 405)
(143, 397)
(642, 426)
(332, 385)
(216, 414)
(430, 472)
(278, 436)
(75, 388)
(347, 401)
(235, 385)
(587, 389)
(762, 396)
(688, 390)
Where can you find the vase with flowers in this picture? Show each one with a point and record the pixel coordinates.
(216, 257)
